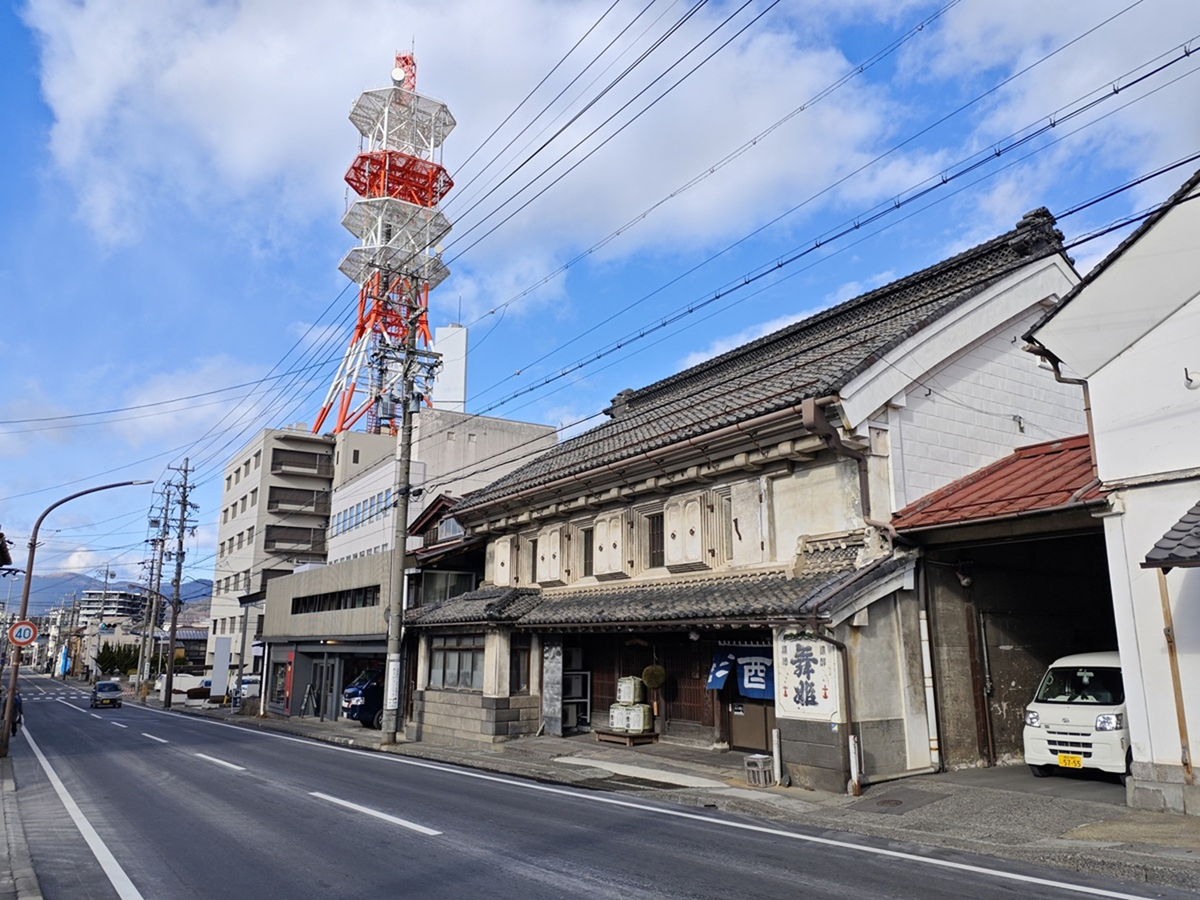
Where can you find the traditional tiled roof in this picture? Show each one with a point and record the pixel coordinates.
(1038, 478)
(812, 358)
(770, 596)
(1179, 547)
(487, 605)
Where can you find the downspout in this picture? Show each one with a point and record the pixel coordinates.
(1056, 366)
(812, 414)
(931, 715)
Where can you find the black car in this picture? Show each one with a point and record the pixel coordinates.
(362, 700)
(106, 693)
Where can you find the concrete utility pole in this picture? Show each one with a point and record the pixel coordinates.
(159, 544)
(176, 599)
(398, 596)
(94, 662)
(415, 363)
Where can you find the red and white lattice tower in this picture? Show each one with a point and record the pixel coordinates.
(399, 180)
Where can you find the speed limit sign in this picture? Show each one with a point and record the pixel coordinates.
(22, 633)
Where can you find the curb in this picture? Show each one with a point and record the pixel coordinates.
(17, 878)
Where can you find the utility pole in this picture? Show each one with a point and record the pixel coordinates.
(94, 662)
(159, 546)
(176, 600)
(73, 649)
(412, 362)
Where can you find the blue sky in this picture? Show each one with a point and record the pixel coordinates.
(172, 193)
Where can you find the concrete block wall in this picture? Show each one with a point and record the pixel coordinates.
(451, 717)
(814, 755)
(977, 408)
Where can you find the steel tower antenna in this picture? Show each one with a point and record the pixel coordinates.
(399, 180)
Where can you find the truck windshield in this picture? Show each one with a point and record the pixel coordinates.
(1082, 684)
(364, 678)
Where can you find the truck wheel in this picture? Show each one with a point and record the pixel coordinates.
(1041, 771)
(377, 722)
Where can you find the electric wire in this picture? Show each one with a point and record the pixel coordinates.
(151, 457)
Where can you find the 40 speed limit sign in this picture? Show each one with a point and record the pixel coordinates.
(22, 633)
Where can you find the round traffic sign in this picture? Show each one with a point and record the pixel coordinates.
(22, 633)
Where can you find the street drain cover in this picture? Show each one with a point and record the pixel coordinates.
(895, 802)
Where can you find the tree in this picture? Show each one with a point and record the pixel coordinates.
(115, 660)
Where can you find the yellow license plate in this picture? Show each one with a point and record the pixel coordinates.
(1070, 761)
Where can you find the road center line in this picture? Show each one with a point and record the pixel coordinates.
(403, 823)
(153, 738)
(119, 725)
(221, 762)
(94, 716)
(70, 705)
(116, 875)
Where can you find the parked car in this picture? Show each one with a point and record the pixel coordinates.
(106, 693)
(1077, 718)
(362, 700)
(251, 685)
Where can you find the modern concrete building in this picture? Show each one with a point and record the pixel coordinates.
(274, 513)
(109, 605)
(325, 624)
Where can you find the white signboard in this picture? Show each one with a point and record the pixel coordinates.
(808, 678)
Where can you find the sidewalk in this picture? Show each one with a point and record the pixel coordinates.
(1097, 838)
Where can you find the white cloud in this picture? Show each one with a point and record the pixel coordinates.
(168, 420)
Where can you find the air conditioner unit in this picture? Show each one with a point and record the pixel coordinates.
(574, 687)
(570, 716)
(572, 658)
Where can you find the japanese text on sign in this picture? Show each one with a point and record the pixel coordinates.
(807, 678)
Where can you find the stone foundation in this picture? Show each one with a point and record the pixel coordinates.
(456, 717)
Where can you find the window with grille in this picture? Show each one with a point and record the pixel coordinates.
(588, 535)
(518, 664)
(456, 662)
(654, 541)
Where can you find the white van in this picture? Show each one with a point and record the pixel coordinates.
(1077, 717)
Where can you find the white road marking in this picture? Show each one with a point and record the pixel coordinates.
(998, 874)
(221, 762)
(116, 875)
(71, 705)
(153, 738)
(94, 716)
(403, 823)
(119, 725)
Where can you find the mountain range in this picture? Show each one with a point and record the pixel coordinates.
(49, 591)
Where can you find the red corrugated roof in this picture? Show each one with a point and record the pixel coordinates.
(1037, 478)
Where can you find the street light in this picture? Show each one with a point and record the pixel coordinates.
(12, 678)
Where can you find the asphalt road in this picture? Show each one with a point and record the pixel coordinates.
(137, 802)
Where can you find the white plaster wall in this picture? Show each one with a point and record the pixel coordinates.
(1142, 287)
(1149, 512)
(962, 415)
(812, 500)
(1146, 417)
